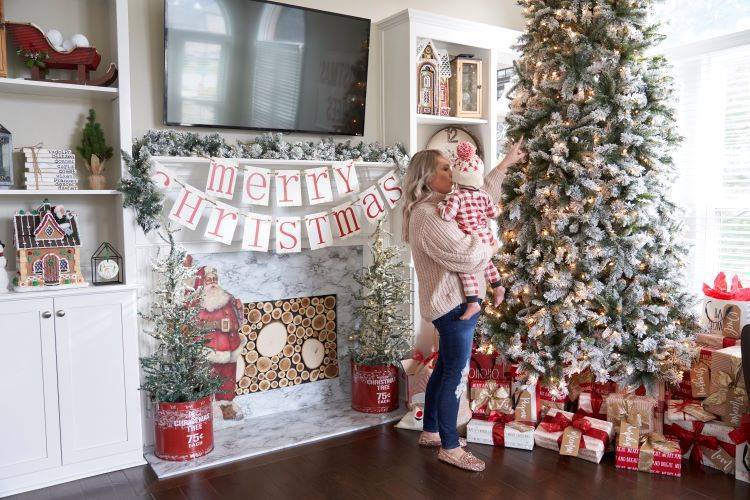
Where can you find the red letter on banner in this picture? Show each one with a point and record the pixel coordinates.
(318, 230)
(257, 186)
(288, 235)
(346, 215)
(222, 223)
(372, 204)
(392, 192)
(288, 188)
(222, 174)
(193, 200)
(257, 232)
(346, 177)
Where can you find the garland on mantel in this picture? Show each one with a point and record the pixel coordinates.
(147, 200)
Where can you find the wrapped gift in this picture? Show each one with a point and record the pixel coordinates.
(653, 453)
(688, 410)
(490, 399)
(417, 370)
(726, 310)
(574, 435)
(486, 366)
(548, 401)
(715, 341)
(525, 401)
(639, 411)
(706, 443)
(593, 399)
(727, 396)
(510, 434)
(741, 437)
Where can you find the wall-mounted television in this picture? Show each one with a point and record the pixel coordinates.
(255, 64)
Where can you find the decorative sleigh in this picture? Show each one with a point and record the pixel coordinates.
(30, 38)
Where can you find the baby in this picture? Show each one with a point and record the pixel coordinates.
(471, 206)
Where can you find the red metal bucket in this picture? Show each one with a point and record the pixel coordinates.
(374, 388)
(184, 431)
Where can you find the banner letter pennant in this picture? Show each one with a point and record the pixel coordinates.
(288, 188)
(288, 234)
(256, 188)
(162, 176)
(188, 207)
(222, 176)
(222, 223)
(318, 230)
(257, 233)
(391, 189)
(372, 204)
(346, 221)
(346, 177)
(318, 186)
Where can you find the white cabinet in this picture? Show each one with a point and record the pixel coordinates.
(69, 366)
(28, 373)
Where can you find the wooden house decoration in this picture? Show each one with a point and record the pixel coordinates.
(433, 76)
(48, 249)
(466, 86)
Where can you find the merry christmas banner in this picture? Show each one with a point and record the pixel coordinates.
(225, 177)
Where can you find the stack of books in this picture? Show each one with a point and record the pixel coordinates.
(50, 169)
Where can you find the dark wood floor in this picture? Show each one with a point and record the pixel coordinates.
(386, 463)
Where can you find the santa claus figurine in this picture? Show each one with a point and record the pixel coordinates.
(220, 318)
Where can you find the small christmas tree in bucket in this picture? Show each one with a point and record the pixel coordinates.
(178, 375)
(94, 150)
(384, 336)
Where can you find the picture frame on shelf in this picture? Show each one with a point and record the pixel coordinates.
(106, 266)
(6, 158)
(466, 86)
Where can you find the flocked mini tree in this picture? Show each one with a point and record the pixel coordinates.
(384, 336)
(179, 370)
(592, 255)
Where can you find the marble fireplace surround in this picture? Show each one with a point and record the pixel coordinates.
(254, 276)
(297, 415)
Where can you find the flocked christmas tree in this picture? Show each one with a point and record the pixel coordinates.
(178, 371)
(592, 255)
(384, 335)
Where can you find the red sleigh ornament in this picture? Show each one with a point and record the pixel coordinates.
(30, 38)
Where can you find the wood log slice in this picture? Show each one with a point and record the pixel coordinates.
(329, 302)
(285, 364)
(267, 307)
(251, 370)
(264, 385)
(332, 371)
(287, 317)
(263, 364)
(254, 316)
(319, 322)
(288, 350)
(251, 357)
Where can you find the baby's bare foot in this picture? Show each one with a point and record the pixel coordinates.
(499, 296)
(471, 309)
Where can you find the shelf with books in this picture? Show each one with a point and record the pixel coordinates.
(58, 192)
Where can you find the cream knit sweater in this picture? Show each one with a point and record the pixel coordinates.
(440, 250)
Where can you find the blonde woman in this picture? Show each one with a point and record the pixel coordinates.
(440, 250)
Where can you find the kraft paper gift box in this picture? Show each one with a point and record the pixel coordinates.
(707, 443)
(741, 437)
(490, 399)
(574, 435)
(510, 434)
(652, 453)
(687, 410)
(727, 396)
(640, 411)
(716, 341)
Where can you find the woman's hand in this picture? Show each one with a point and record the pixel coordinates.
(515, 154)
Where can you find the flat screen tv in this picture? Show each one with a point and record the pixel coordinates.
(254, 64)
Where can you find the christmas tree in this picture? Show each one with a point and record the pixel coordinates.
(178, 371)
(93, 141)
(384, 326)
(592, 255)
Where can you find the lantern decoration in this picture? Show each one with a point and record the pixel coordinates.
(433, 77)
(466, 86)
(6, 158)
(106, 266)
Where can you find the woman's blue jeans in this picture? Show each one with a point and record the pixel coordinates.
(449, 379)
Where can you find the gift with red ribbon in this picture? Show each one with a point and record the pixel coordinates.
(688, 410)
(593, 398)
(741, 438)
(652, 453)
(705, 339)
(726, 311)
(706, 443)
(574, 434)
(503, 431)
(490, 399)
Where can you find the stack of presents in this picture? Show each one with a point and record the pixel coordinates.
(706, 418)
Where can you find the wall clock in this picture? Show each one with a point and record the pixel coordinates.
(446, 140)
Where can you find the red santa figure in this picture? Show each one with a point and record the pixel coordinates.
(220, 318)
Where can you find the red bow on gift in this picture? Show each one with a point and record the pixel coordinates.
(429, 361)
(721, 291)
(559, 422)
(697, 440)
(742, 433)
(498, 430)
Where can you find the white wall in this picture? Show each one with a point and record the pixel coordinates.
(147, 49)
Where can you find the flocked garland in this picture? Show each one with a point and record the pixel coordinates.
(147, 200)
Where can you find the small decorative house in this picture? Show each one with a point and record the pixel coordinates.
(433, 75)
(47, 249)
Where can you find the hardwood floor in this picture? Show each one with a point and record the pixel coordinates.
(384, 462)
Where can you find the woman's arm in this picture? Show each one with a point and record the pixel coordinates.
(447, 245)
(494, 179)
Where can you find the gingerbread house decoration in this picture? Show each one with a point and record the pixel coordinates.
(47, 249)
(433, 75)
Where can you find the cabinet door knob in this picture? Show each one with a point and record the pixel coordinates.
(46, 315)
(60, 313)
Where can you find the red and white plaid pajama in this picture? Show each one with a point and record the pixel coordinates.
(471, 208)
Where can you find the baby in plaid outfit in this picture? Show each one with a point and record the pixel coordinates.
(471, 207)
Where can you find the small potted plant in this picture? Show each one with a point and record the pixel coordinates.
(94, 151)
(178, 376)
(384, 336)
